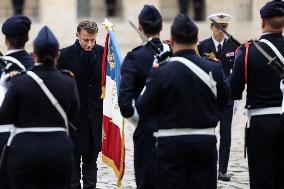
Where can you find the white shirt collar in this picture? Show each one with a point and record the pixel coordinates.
(13, 51)
(216, 43)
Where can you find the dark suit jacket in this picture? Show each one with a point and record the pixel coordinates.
(25, 104)
(88, 136)
(263, 82)
(207, 47)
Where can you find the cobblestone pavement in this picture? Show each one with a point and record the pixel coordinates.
(237, 166)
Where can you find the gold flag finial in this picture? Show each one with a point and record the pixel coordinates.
(108, 25)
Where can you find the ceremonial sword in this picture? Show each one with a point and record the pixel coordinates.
(230, 37)
(277, 66)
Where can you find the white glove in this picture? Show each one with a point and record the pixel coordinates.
(135, 118)
(236, 106)
(282, 89)
(4, 77)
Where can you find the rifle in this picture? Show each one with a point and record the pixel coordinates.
(277, 66)
(159, 54)
(230, 37)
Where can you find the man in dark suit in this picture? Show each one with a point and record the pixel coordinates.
(186, 94)
(198, 7)
(40, 153)
(15, 29)
(84, 59)
(265, 142)
(222, 51)
(18, 6)
(135, 69)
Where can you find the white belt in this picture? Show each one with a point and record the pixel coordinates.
(185, 131)
(15, 131)
(262, 111)
(5, 128)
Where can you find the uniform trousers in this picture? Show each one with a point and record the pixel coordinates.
(40, 161)
(89, 170)
(4, 178)
(184, 164)
(225, 136)
(144, 144)
(265, 145)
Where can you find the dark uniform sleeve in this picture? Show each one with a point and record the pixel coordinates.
(127, 84)
(237, 78)
(223, 90)
(147, 104)
(8, 108)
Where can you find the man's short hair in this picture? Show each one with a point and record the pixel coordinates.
(184, 30)
(18, 41)
(275, 22)
(88, 25)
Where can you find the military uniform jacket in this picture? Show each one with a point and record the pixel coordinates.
(25, 58)
(26, 105)
(263, 83)
(207, 48)
(134, 71)
(181, 99)
(88, 136)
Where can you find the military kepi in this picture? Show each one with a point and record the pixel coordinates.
(16, 25)
(272, 9)
(45, 42)
(184, 26)
(150, 15)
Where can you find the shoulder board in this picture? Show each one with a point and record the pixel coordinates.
(67, 72)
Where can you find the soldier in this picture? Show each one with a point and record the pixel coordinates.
(40, 154)
(222, 51)
(15, 29)
(135, 69)
(186, 95)
(198, 6)
(18, 6)
(265, 142)
(84, 59)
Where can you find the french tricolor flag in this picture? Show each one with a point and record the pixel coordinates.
(113, 144)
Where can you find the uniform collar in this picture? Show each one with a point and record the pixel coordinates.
(11, 51)
(185, 52)
(271, 34)
(216, 43)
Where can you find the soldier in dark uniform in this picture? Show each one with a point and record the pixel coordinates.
(187, 94)
(265, 142)
(135, 69)
(84, 59)
(198, 7)
(40, 152)
(18, 6)
(16, 30)
(111, 7)
(222, 50)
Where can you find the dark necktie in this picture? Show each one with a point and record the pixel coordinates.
(219, 47)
